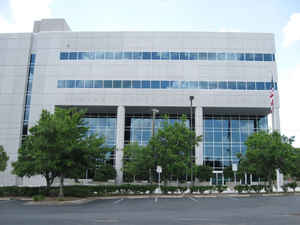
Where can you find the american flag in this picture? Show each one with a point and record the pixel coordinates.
(272, 96)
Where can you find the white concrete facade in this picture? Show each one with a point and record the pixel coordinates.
(47, 45)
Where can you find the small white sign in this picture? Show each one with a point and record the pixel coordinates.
(158, 169)
(234, 167)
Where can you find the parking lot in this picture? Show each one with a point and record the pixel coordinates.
(284, 210)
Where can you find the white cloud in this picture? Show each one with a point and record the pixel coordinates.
(292, 30)
(24, 13)
(289, 81)
(229, 30)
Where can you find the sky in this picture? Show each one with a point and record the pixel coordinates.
(281, 17)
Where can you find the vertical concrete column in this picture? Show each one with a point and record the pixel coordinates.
(120, 144)
(275, 119)
(199, 131)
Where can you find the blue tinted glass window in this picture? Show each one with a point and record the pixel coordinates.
(99, 55)
(91, 55)
(231, 56)
(137, 55)
(249, 56)
(109, 55)
(70, 83)
(213, 84)
(273, 57)
(184, 56)
(79, 84)
(175, 55)
(240, 56)
(241, 85)
(146, 55)
(208, 123)
(126, 83)
(156, 55)
(82, 55)
(202, 55)
(117, 84)
(89, 84)
(223, 85)
(118, 55)
(32, 58)
(63, 56)
(209, 137)
(165, 55)
(98, 84)
(221, 56)
(203, 84)
(155, 84)
(127, 55)
(258, 57)
(267, 57)
(250, 85)
(260, 85)
(268, 85)
(28, 99)
(146, 84)
(211, 56)
(174, 84)
(193, 56)
(136, 84)
(231, 85)
(73, 55)
(217, 136)
(184, 84)
(276, 87)
(193, 84)
(108, 84)
(61, 84)
(165, 84)
(236, 136)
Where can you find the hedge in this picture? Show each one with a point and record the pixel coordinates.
(78, 190)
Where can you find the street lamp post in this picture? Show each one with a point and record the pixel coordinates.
(191, 128)
(154, 111)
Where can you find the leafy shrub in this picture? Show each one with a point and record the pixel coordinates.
(182, 189)
(105, 172)
(38, 198)
(220, 188)
(241, 188)
(285, 187)
(167, 189)
(257, 188)
(292, 185)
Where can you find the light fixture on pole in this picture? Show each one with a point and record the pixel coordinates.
(191, 128)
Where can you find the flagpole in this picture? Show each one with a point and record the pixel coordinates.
(279, 176)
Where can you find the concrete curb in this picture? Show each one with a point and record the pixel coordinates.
(29, 201)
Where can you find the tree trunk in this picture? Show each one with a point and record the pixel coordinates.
(61, 184)
(270, 182)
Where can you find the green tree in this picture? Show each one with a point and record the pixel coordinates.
(267, 152)
(295, 170)
(171, 146)
(228, 173)
(203, 173)
(3, 159)
(138, 161)
(58, 145)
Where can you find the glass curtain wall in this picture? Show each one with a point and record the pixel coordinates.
(224, 137)
(104, 125)
(138, 127)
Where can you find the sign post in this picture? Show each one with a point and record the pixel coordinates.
(159, 171)
(234, 169)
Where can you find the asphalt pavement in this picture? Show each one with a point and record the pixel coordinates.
(283, 210)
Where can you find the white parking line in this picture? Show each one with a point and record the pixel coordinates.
(193, 199)
(156, 199)
(118, 201)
